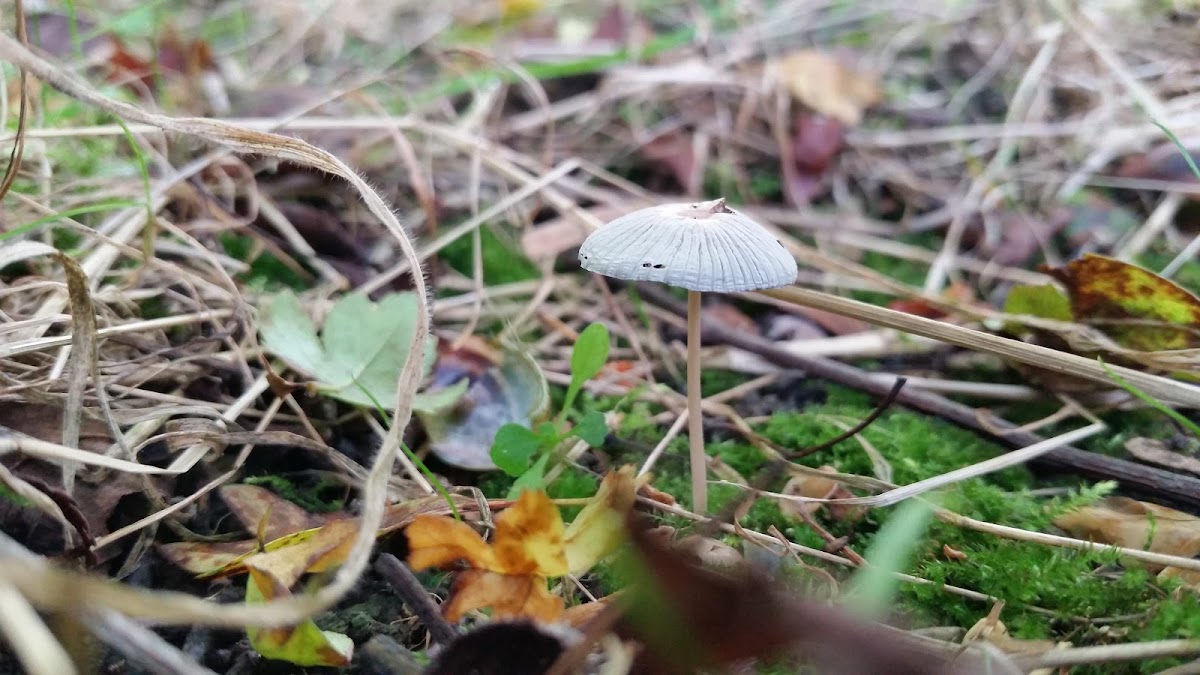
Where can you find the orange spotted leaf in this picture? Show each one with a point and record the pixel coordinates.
(1135, 307)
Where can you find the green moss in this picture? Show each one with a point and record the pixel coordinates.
(637, 424)
(326, 495)
(572, 484)
(266, 271)
(714, 381)
(503, 263)
(495, 484)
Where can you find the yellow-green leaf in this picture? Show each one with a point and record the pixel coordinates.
(303, 644)
(1045, 302)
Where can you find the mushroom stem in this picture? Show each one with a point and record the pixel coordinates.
(699, 455)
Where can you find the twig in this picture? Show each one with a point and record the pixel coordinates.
(415, 596)
(849, 433)
(1058, 658)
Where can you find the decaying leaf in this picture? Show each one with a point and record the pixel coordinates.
(257, 509)
(600, 527)
(303, 644)
(292, 543)
(283, 526)
(996, 633)
(508, 575)
(1154, 451)
(1135, 307)
(1044, 301)
(502, 386)
(1132, 524)
(530, 545)
(822, 83)
(819, 487)
(362, 348)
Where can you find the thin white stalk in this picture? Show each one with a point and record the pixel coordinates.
(695, 425)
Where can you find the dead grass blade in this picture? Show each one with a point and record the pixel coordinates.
(34, 582)
(1164, 389)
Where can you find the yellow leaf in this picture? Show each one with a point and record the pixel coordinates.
(600, 527)
(437, 541)
(510, 575)
(529, 537)
(324, 550)
(509, 596)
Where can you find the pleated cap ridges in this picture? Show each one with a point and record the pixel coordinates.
(700, 246)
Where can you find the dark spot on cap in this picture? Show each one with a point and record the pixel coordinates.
(659, 266)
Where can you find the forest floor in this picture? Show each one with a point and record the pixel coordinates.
(212, 429)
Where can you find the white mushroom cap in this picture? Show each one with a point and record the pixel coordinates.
(703, 246)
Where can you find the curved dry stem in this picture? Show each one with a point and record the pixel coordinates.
(172, 607)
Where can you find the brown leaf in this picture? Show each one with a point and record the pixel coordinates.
(953, 553)
(730, 317)
(691, 618)
(1132, 524)
(285, 525)
(825, 85)
(819, 487)
(97, 497)
(251, 504)
(816, 140)
(673, 151)
(996, 633)
(836, 324)
(554, 237)
(1154, 451)
(1163, 162)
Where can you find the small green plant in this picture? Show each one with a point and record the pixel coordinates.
(526, 453)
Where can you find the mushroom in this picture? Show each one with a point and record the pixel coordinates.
(704, 246)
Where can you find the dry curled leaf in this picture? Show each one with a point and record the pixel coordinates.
(502, 386)
(281, 525)
(600, 526)
(1132, 524)
(996, 633)
(820, 487)
(822, 83)
(1154, 451)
